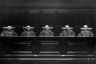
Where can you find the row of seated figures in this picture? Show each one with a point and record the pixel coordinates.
(47, 31)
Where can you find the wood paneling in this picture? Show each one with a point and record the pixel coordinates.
(68, 4)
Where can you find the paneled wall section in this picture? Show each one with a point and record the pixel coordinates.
(55, 18)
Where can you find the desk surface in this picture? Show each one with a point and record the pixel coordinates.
(56, 38)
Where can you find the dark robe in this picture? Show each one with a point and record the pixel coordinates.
(46, 33)
(8, 33)
(86, 33)
(28, 33)
(67, 33)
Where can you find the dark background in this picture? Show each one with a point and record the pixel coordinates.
(56, 13)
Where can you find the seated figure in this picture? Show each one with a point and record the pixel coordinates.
(47, 31)
(67, 31)
(8, 32)
(86, 32)
(28, 31)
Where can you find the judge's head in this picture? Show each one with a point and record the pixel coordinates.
(85, 27)
(67, 27)
(28, 27)
(8, 28)
(47, 27)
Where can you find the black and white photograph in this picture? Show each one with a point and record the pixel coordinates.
(47, 31)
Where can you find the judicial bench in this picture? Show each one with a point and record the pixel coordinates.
(45, 50)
